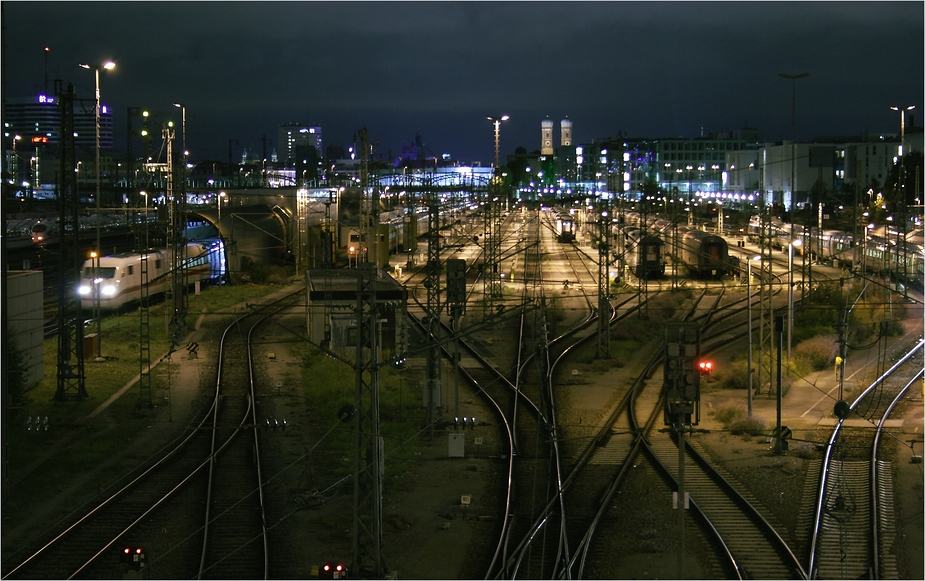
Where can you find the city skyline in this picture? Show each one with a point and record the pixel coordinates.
(638, 69)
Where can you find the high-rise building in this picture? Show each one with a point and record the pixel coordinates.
(293, 135)
(38, 121)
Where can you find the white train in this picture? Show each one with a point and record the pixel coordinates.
(891, 256)
(565, 226)
(118, 277)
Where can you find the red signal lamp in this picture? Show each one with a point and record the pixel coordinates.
(706, 367)
(333, 571)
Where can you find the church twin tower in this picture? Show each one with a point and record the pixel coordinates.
(566, 129)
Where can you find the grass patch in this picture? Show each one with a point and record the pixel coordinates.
(330, 385)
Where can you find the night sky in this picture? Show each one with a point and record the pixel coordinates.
(648, 69)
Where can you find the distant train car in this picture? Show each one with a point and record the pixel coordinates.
(565, 227)
(704, 254)
(645, 254)
(118, 277)
(902, 261)
(397, 234)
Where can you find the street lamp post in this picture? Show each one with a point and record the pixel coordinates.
(690, 196)
(669, 176)
(902, 175)
(96, 305)
(97, 282)
(902, 127)
(790, 246)
(793, 138)
(182, 108)
(679, 171)
(14, 161)
(497, 123)
(144, 239)
(749, 293)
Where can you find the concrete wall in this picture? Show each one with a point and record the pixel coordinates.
(26, 319)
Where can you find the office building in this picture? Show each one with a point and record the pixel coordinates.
(294, 135)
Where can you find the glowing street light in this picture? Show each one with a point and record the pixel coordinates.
(220, 199)
(109, 65)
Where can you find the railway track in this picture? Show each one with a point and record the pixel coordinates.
(169, 492)
(853, 523)
(595, 478)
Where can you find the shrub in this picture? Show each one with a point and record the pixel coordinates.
(751, 425)
(804, 450)
(726, 415)
(733, 375)
(736, 420)
(663, 307)
(817, 352)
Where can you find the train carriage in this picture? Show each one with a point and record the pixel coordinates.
(565, 227)
(397, 234)
(705, 254)
(645, 254)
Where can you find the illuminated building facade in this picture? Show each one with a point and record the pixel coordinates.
(38, 121)
(294, 135)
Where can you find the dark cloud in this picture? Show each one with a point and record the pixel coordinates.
(646, 68)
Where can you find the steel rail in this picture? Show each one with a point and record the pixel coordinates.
(827, 459)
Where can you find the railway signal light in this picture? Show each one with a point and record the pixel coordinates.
(706, 367)
(456, 281)
(333, 571)
(134, 556)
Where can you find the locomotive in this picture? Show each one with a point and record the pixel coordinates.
(118, 277)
